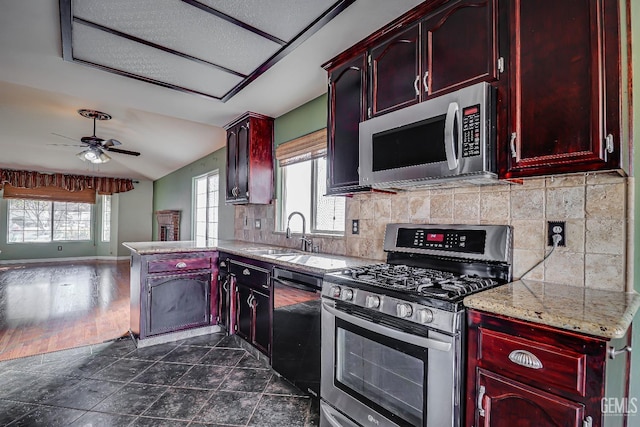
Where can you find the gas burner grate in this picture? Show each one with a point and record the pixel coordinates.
(419, 281)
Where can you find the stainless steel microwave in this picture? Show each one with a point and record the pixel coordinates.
(447, 138)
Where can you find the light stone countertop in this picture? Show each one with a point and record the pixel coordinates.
(597, 312)
(315, 263)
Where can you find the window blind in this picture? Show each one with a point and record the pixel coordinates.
(310, 146)
(52, 194)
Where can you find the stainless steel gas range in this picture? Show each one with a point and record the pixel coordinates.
(393, 333)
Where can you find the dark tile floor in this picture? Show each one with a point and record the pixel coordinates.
(203, 381)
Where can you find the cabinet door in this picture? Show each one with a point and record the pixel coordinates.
(461, 45)
(177, 302)
(503, 402)
(562, 74)
(232, 161)
(244, 311)
(243, 161)
(224, 300)
(395, 72)
(262, 321)
(346, 111)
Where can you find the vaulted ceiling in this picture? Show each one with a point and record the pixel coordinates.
(169, 72)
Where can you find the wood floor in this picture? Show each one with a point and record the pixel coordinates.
(47, 307)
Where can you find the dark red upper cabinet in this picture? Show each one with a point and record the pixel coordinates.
(346, 111)
(453, 46)
(396, 72)
(461, 45)
(562, 93)
(250, 160)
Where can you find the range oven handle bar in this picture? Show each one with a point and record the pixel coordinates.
(388, 332)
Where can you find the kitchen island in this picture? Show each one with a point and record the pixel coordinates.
(174, 284)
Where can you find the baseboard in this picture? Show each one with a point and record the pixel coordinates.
(64, 259)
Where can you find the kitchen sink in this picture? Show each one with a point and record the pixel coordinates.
(273, 251)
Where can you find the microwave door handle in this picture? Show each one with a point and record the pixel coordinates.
(450, 136)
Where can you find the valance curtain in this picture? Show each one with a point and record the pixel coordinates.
(309, 146)
(72, 183)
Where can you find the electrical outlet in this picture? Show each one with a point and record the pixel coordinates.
(258, 224)
(355, 226)
(556, 227)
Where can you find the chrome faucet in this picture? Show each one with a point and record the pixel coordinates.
(306, 244)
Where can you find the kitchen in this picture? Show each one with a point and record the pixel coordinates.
(596, 221)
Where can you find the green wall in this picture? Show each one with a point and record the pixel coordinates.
(174, 192)
(305, 119)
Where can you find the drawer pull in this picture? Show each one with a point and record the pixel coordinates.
(246, 272)
(181, 264)
(525, 358)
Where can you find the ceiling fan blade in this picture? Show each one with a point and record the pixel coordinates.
(68, 145)
(111, 142)
(67, 137)
(118, 150)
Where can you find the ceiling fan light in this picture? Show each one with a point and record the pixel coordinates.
(102, 158)
(93, 155)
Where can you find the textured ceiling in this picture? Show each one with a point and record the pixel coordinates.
(210, 48)
(40, 93)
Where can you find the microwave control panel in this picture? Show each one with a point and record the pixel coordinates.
(471, 131)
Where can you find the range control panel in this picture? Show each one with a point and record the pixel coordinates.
(471, 131)
(467, 241)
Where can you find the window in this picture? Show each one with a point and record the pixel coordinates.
(44, 221)
(106, 218)
(205, 210)
(303, 189)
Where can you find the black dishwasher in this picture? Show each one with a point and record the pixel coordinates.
(295, 351)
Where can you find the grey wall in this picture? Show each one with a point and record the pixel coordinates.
(133, 207)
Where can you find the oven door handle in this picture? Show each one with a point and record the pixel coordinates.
(388, 332)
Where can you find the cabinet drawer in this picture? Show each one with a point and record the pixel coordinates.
(250, 275)
(179, 264)
(533, 362)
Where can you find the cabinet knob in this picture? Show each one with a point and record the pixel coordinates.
(181, 264)
(613, 352)
(246, 272)
(223, 264)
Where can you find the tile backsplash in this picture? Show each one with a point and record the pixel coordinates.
(594, 207)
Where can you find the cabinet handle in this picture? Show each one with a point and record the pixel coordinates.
(514, 154)
(249, 301)
(481, 393)
(181, 264)
(265, 286)
(246, 272)
(608, 147)
(612, 352)
(424, 82)
(525, 358)
(415, 85)
(223, 264)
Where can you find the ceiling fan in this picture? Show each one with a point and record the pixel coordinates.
(95, 146)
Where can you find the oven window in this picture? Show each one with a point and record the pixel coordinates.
(411, 145)
(384, 376)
